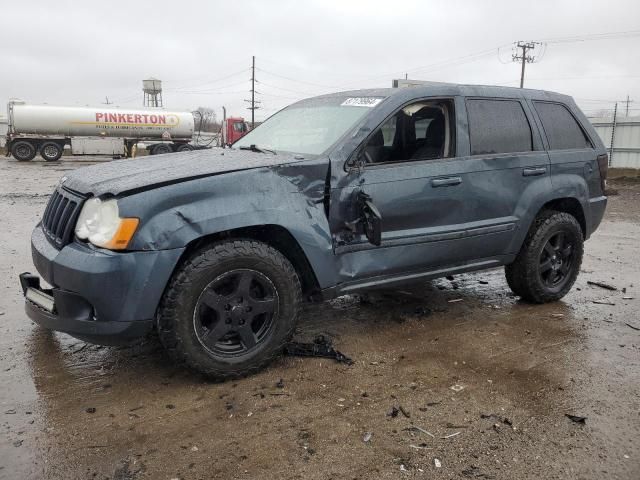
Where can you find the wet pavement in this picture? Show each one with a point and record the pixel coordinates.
(481, 382)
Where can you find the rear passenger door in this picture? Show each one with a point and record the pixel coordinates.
(508, 174)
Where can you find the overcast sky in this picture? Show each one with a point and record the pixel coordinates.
(78, 52)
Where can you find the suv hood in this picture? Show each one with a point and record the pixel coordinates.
(146, 172)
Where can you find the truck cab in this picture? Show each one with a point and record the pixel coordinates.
(233, 129)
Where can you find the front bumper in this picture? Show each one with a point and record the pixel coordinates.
(97, 295)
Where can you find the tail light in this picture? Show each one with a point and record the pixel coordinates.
(603, 166)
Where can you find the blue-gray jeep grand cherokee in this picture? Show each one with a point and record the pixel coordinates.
(336, 194)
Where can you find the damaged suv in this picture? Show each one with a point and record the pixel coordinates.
(332, 195)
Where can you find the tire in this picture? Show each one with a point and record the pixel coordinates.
(184, 148)
(203, 321)
(51, 151)
(23, 151)
(549, 261)
(162, 148)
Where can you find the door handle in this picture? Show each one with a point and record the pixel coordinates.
(532, 172)
(446, 182)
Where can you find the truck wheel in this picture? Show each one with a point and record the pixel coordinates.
(230, 309)
(184, 148)
(549, 261)
(23, 151)
(51, 151)
(161, 148)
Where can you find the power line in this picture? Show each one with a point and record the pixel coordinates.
(593, 36)
(215, 80)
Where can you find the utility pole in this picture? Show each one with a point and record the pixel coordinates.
(524, 58)
(613, 132)
(106, 101)
(253, 102)
(627, 102)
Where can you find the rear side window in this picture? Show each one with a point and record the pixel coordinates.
(498, 126)
(561, 128)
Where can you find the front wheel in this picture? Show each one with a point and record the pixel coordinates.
(548, 263)
(23, 151)
(230, 309)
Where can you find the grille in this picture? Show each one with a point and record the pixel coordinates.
(59, 219)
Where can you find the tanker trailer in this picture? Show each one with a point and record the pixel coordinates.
(46, 129)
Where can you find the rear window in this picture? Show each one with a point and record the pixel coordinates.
(561, 128)
(498, 126)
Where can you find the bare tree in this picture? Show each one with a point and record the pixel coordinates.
(205, 118)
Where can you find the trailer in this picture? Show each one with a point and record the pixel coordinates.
(47, 129)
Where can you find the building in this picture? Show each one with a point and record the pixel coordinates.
(626, 140)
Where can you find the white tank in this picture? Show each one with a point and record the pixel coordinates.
(55, 121)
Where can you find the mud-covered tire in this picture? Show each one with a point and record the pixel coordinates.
(23, 151)
(51, 151)
(185, 147)
(524, 275)
(161, 149)
(179, 327)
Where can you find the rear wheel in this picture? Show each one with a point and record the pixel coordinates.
(185, 147)
(51, 151)
(161, 148)
(548, 263)
(230, 309)
(23, 151)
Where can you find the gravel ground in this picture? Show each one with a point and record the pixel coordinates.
(490, 379)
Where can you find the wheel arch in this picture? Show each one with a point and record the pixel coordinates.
(273, 235)
(566, 204)
(570, 205)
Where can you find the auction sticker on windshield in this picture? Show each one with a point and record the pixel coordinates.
(361, 102)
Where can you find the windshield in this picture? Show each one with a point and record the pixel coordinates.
(310, 127)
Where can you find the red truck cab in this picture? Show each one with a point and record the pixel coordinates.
(233, 129)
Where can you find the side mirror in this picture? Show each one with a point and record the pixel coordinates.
(370, 218)
(372, 223)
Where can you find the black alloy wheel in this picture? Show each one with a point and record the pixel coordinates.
(235, 312)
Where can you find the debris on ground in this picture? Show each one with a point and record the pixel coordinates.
(504, 420)
(450, 435)
(603, 302)
(455, 300)
(280, 383)
(90, 410)
(321, 347)
(419, 429)
(404, 412)
(437, 463)
(632, 326)
(606, 286)
(457, 388)
(474, 472)
(367, 436)
(575, 418)
(393, 413)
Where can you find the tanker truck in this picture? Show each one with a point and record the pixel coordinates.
(47, 129)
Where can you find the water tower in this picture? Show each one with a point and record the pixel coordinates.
(152, 88)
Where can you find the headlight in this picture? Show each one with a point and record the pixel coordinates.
(100, 223)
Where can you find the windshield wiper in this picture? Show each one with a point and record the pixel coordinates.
(255, 148)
